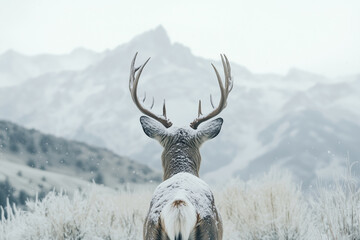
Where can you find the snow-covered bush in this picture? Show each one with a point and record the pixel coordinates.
(97, 213)
(270, 207)
(337, 208)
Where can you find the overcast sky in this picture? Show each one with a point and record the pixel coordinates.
(321, 36)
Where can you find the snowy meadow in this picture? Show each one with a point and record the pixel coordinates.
(269, 207)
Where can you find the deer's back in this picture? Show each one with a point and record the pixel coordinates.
(185, 186)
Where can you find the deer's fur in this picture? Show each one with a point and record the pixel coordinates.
(179, 216)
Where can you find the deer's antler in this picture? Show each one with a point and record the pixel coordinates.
(133, 83)
(224, 93)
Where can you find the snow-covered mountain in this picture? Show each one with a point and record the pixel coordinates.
(15, 68)
(308, 143)
(93, 104)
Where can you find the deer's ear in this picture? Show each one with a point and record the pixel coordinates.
(152, 128)
(209, 129)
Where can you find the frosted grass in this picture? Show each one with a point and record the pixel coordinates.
(336, 208)
(270, 207)
(96, 213)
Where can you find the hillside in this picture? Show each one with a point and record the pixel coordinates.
(33, 161)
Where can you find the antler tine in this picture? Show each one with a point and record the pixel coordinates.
(144, 98)
(152, 103)
(211, 101)
(199, 111)
(164, 109)
(228, 78)
(223, 90)
(225, 70)
(133, 83)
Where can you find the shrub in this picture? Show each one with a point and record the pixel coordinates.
(31, 163)
(23, 196)
(30, 147)
(271, 207)
(337, 208)
(99, 179)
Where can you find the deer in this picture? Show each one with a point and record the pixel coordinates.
(182, 206)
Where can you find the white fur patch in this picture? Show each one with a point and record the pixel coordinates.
(179, 216)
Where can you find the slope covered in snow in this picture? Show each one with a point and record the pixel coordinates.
(34, 181)
(21, 148)
(308, 144)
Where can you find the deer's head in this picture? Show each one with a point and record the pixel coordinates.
(181, 145)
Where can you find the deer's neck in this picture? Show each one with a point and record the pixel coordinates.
(180, 158)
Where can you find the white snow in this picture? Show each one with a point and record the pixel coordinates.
(195, 190)
(32, 178)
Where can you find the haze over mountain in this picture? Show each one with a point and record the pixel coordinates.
(16, 68)
(265, 112)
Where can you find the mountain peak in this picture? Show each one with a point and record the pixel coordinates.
(157, 35)
(160, 30)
